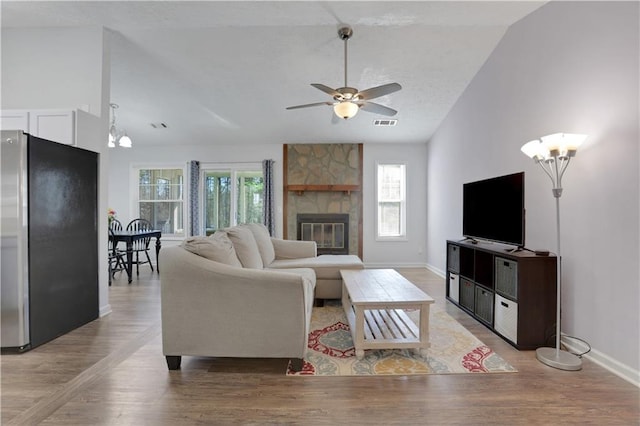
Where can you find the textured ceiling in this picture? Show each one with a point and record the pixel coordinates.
(224, 72)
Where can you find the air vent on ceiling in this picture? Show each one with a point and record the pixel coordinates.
(385, 123)
(159, 125)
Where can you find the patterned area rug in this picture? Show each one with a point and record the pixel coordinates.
(453, 349)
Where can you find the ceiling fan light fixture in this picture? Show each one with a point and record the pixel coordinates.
(345, 109)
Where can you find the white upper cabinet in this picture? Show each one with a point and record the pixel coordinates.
(14, 120)
(56, 125)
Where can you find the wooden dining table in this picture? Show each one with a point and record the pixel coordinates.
(129, 237)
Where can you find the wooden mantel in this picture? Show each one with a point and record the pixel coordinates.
(300, 189)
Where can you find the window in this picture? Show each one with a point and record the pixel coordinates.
(232, 196)
(391, 200)
(160, 199)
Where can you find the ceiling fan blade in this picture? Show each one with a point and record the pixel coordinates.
(326, 89)
(376, 92)
(377, 108)
(310, 105)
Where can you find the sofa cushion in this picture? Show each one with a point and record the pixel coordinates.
(263, 239)
(217, 247)
(246, 246)
(326, 266)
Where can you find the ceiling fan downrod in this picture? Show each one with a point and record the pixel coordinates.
(345, 33)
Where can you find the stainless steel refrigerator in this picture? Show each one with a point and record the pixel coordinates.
(49, 239)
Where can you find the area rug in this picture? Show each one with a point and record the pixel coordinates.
(453, 350)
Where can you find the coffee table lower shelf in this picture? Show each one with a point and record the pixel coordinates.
(385, 329)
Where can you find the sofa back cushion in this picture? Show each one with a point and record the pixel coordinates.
(246, 246)
(263, 239)
(217, 247)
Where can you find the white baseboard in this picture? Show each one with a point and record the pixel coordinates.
(603, 360)
(105, 310)
(370, 265)
(437, 271)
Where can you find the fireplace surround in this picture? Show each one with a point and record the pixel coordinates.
(323, 179)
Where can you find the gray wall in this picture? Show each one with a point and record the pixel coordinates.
(568, 67)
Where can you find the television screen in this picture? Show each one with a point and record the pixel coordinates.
(493, 209)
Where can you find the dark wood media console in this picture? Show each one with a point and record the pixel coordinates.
(513, 293)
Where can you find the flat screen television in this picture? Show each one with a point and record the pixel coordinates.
(493, 209)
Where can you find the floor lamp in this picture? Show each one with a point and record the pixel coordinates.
(553, 153)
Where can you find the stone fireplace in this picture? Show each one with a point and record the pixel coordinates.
(319, 180)
(330, 231)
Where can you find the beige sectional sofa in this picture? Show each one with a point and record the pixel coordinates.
(242, 293)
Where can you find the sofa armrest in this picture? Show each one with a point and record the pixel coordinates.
(294, 249)
(212, 309)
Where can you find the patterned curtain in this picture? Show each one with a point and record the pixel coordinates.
(268, 196)
(194, 197)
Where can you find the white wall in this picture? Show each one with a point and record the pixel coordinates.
(406, 253)
(63, 68)
(52, 68)
(412, 252)
(568, 67)
(121, 162)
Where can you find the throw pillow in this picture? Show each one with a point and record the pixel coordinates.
(263, 239)
(246, 247)
(217, 247)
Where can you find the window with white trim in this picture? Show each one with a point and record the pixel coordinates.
(391, 202)
(233, 194)
(161, 199)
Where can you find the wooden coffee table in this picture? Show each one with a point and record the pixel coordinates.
(374, 301)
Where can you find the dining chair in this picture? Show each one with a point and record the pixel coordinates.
(141, 245)
(115, 225)
(116, 258)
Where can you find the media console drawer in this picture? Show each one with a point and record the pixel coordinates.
(454, 259)
(484, 304)
(506, 277)
(454, 287)
(506, 320)
(467, 294)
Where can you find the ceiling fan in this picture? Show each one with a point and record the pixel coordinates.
(348, 100)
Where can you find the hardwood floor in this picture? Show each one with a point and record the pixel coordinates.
(112, 372)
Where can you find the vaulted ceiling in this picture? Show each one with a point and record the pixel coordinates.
(223, 72)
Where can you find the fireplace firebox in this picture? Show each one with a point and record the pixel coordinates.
(330, 231)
